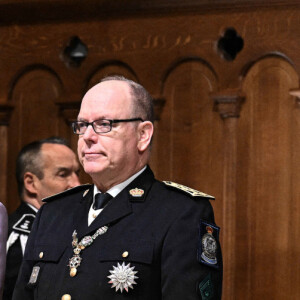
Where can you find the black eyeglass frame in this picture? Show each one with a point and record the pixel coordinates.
(111, 122)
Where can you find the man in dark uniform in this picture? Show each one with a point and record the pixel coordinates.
(128, 235)
(43, 168)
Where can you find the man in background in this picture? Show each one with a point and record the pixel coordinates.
(43, 168)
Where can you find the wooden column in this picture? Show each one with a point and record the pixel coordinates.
(228, 104)
(69, 112)
(5, 113)
(158, 105)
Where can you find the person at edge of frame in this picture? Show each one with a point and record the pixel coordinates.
(128, 235)
(43, 168)
(3, 237)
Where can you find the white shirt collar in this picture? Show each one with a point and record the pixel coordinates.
(32, 207)
(115, 190)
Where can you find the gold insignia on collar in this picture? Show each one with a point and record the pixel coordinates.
(85, 192)
(188, 190)
(136, 192)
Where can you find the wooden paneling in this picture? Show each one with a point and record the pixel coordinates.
(35, 116)
(188, 127)
(268, 161)
(36, 11)
(228, 128)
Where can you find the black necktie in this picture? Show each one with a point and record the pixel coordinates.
(101, 200)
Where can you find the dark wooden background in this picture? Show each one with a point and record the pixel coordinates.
(230, 128)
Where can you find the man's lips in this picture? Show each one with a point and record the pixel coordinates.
(93, 154)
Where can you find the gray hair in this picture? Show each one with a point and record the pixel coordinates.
(142, 100)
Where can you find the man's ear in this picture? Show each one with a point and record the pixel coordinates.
(145, 132)
(30, 182)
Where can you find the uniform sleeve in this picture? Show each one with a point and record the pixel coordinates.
(22, 290)
(184, 274)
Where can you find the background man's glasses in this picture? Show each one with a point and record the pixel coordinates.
(99, 126)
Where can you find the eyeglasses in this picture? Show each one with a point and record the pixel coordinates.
(99, 126)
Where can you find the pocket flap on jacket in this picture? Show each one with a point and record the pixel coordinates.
(46, 252)
(128, 251)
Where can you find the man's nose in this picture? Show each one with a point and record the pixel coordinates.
(90, 133)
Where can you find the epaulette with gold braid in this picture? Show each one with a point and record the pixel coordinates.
(188, 190)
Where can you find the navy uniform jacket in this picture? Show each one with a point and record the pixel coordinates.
(158, 231)
(19, 226)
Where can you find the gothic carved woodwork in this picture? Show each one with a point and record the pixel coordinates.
(228, 127)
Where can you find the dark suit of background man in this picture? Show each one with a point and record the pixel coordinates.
(43, 168)
(151, 241)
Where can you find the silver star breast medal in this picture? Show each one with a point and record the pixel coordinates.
(122, 277)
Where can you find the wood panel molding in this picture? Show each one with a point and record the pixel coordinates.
(228, 128)
(32, 72)
(159, 104)
(69, 111)
(35, 116)
(111, 68)
(5, 114)
(194, 62)
(266, 190)
(34, 11)
(228, 103)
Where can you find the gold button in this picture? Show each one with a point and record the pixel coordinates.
(41, 254)
(125, 254)
(94, 216)
(66, 297)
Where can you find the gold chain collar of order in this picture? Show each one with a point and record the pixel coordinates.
(86, 241)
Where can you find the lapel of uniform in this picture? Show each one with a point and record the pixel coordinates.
(121, 205)
(80, 219)
(26, 209)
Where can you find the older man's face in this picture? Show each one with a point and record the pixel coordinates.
(109, 156)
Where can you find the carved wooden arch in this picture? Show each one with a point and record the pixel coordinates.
(187, 60)
(268, 178)
(272, 60)
(28, 74)
(206, 155)
(111, 68)
(120, 68)
(33, 94)
(189, 132)
(276, 55)
(195, 80)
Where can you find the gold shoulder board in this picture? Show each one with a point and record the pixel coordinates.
(192, 192)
